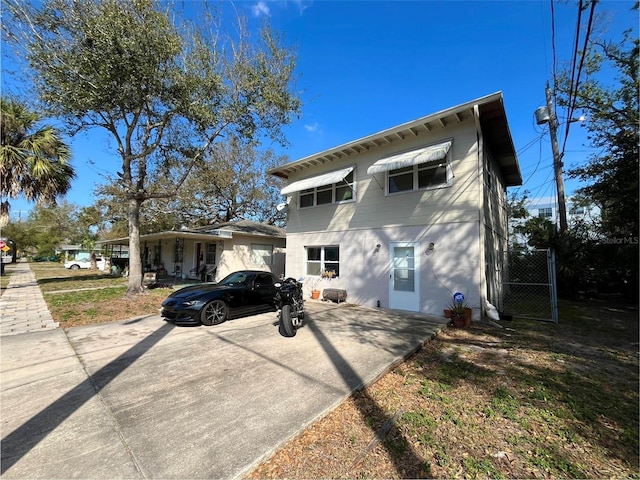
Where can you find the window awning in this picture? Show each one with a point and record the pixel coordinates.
(409, 159)
(319, 181)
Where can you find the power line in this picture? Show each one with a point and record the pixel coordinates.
(553, 42)
(572, 101)
(530, 144)
(536, 167)
(551, 97)
(572, 90)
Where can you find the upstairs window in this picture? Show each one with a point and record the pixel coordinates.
(343, 191)
(419, 169)
(545, 212)
(577, 211)
(418, 177)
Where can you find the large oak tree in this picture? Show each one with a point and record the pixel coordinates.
(165, 84)
(232, 184)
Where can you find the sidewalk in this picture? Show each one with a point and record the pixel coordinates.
(22, 306)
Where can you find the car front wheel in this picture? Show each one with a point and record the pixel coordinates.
(75, 267)
(214, 313)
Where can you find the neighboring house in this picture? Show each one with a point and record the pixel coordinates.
(547, 207)
(220, 249)
(408, 216)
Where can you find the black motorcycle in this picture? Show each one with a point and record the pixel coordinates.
(289, 301)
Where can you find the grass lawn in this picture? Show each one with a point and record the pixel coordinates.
(5, 278)
(534, 400)
(82, 297)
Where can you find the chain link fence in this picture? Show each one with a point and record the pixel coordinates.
(529, 285)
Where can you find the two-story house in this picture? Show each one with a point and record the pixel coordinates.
(407, 217)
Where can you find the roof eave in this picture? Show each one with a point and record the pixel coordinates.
(453, 115)
(164, 235)
(496, 132)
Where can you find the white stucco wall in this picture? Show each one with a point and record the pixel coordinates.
(448, 217)
(237, 255)
(364, 273)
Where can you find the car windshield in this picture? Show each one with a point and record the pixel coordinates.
(236, 279)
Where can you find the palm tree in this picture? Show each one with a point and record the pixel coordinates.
(34, 161)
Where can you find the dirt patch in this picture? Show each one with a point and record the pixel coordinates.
(529, 400)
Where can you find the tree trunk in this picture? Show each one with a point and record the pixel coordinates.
(135, 259)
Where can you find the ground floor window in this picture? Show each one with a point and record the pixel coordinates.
(157, 254)
(177, 251)
(261, 254)
(210, 254)
(323, 259)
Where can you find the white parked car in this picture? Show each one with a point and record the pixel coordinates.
(85, 263)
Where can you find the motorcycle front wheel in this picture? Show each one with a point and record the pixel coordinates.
(286, 323)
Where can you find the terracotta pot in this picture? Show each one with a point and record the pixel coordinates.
(448, 313)
(315, 294)
(464, 320)
(458, 322)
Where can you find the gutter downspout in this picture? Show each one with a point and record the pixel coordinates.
(481, 223)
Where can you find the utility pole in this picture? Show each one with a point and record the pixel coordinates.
(557, 162)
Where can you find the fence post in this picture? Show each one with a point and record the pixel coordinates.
(551, 262)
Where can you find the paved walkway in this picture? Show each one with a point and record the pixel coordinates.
(22, 306)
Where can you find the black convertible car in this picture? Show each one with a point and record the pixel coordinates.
(240, 294)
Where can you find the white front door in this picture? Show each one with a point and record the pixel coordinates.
(404, 276)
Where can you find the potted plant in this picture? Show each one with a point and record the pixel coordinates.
(329, 274)
(459, 312)
(315, 292)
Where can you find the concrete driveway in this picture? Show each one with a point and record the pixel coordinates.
(145, 399)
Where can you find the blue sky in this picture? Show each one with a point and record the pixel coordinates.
(364, 66)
